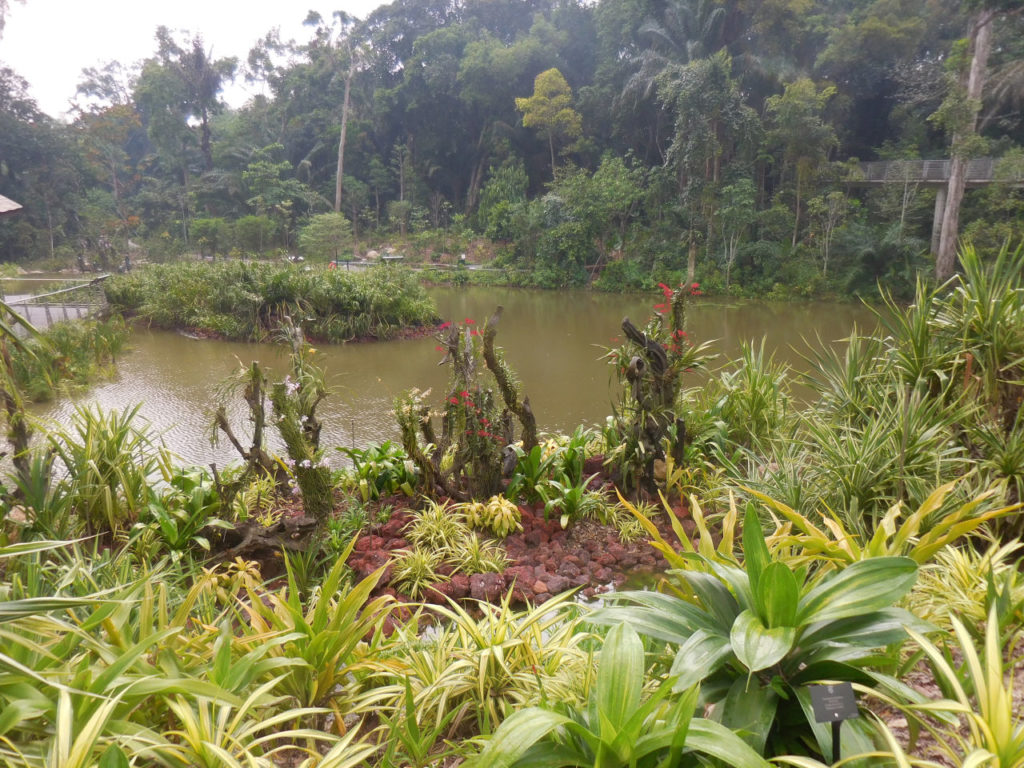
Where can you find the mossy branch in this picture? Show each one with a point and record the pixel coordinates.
(507, 384)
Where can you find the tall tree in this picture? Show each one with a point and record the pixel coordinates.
(345, 54)
(712, 126)
(960, 113)
(550, 111)
(202, 78)
(800, 131)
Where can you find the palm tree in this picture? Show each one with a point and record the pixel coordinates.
(689, 30)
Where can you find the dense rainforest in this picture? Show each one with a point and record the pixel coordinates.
(619, 143)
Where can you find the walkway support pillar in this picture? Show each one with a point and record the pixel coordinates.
(940, 210)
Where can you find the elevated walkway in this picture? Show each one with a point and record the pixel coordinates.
(80, 300)
(980, 171)
(934, 173)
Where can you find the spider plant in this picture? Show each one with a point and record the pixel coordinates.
(476, 556)
(508, 659)
(413, 571)
(211, 734)
(439, 526)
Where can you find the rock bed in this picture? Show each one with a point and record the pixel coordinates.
(544, 559)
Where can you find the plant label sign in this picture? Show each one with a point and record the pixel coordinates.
(833, 703)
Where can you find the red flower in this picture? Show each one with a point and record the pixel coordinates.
(444, 325)
(454, 400)
(482, 433)
(463, 393)
(695, 286)
(439, 348)
(469, 321)
(665, 290)
(661, 307)
(474, 333)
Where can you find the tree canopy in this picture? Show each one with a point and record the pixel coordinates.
(681, 106)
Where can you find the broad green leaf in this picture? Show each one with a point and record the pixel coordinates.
(702, 654)
(716, 597)
(737, 580)
(778, 595)
(749, 711)
(755, 645)
(867, 585)
(15, 712)
(719, 742)
(755, 551)
(515, 736)
(868, 630)
(620, 678)
(663, 617)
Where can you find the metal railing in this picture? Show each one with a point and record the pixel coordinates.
(980, 170)
(75, 302)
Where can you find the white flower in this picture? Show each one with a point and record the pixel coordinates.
(291, 387)
(305, 463)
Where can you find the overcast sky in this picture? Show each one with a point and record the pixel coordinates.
(49, 42)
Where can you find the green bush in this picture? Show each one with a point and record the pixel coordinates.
(244, 300)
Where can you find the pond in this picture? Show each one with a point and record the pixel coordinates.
(552, 339)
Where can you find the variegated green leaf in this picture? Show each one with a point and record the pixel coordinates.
(867, 585)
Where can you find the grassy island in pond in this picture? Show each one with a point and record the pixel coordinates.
(246, 300)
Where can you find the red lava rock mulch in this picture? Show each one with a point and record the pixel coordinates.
(545, 559)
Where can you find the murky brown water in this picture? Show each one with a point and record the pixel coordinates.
(553, 340)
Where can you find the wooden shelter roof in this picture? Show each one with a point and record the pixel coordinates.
(8, 206)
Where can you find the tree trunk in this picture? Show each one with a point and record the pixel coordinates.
(691, 260)
(341, 141)
(796, 221)
(206, 142)
(980, 46)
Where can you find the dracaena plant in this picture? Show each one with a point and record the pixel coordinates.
(755, 634)
(977, 722)
(919, 535)
(619, 726)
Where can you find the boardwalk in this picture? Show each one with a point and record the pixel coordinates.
(935, 173)
(75, 302)
(980, 171)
